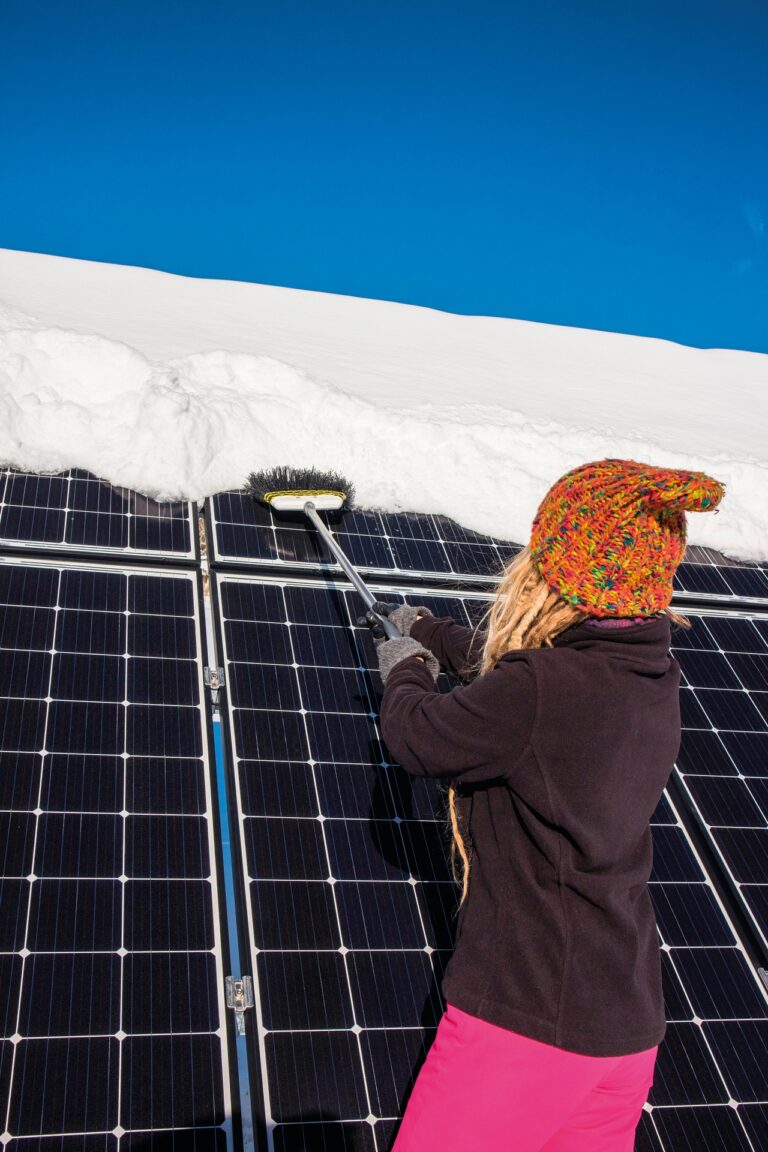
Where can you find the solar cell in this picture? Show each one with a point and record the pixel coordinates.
(109, 922)
(75, 511)
(723, 765)
(245, 532)
(351, 909)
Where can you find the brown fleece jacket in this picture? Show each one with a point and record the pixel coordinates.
(561, 755)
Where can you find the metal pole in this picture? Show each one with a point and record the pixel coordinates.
(391, 631)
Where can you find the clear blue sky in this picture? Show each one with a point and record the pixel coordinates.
(600, 164)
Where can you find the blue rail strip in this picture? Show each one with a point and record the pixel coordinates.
(238, 968)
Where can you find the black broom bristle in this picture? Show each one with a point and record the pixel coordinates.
(284, 479)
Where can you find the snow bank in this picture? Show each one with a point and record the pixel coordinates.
(121, 371)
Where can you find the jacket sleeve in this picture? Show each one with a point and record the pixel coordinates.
(456, 647)
(476, 732)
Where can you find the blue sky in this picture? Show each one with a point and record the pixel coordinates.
(599, 164)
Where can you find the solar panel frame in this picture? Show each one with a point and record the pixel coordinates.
(76, 513)
(113, 811)
(696, 934)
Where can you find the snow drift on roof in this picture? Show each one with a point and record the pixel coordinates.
(179, 387)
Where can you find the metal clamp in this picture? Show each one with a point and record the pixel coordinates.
(239, 994)
(214, 681)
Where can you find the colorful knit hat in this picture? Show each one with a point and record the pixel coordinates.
(609, 535)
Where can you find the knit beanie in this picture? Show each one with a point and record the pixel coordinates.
(609, 535)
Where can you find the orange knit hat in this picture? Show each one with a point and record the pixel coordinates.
(609, 535)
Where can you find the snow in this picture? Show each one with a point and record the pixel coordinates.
(178, 387)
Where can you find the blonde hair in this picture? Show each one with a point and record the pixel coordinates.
(526, 613)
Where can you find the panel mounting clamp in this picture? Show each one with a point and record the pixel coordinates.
(214, 681)
(239, 995)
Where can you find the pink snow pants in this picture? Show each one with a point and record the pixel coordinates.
(486, 1088)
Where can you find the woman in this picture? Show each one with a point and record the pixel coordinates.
(557, 752)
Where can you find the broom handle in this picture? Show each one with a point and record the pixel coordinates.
(391, 631)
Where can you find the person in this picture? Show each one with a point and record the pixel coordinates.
(557, 747)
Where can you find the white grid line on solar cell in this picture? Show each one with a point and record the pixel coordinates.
(126, 955)
(263, 1032)
(60, 524)
(31, 1142)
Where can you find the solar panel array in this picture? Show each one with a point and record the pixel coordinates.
(111, 998)
(348, 906)
(75, 511)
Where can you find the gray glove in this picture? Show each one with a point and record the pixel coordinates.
(393, 652)
(404, 616)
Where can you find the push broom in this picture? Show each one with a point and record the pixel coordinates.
(311, 492)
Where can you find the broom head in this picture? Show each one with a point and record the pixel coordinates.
(288, 489)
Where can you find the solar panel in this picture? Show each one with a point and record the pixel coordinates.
(723, 762)
(350, 902)
(76, 512)
(709, 574)
(709, 1090)
(244, 532)
(111, 993)
(351, 908)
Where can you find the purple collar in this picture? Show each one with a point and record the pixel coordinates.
(619, 621)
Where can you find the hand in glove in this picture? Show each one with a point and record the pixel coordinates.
(393, 652)
(402, 616)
